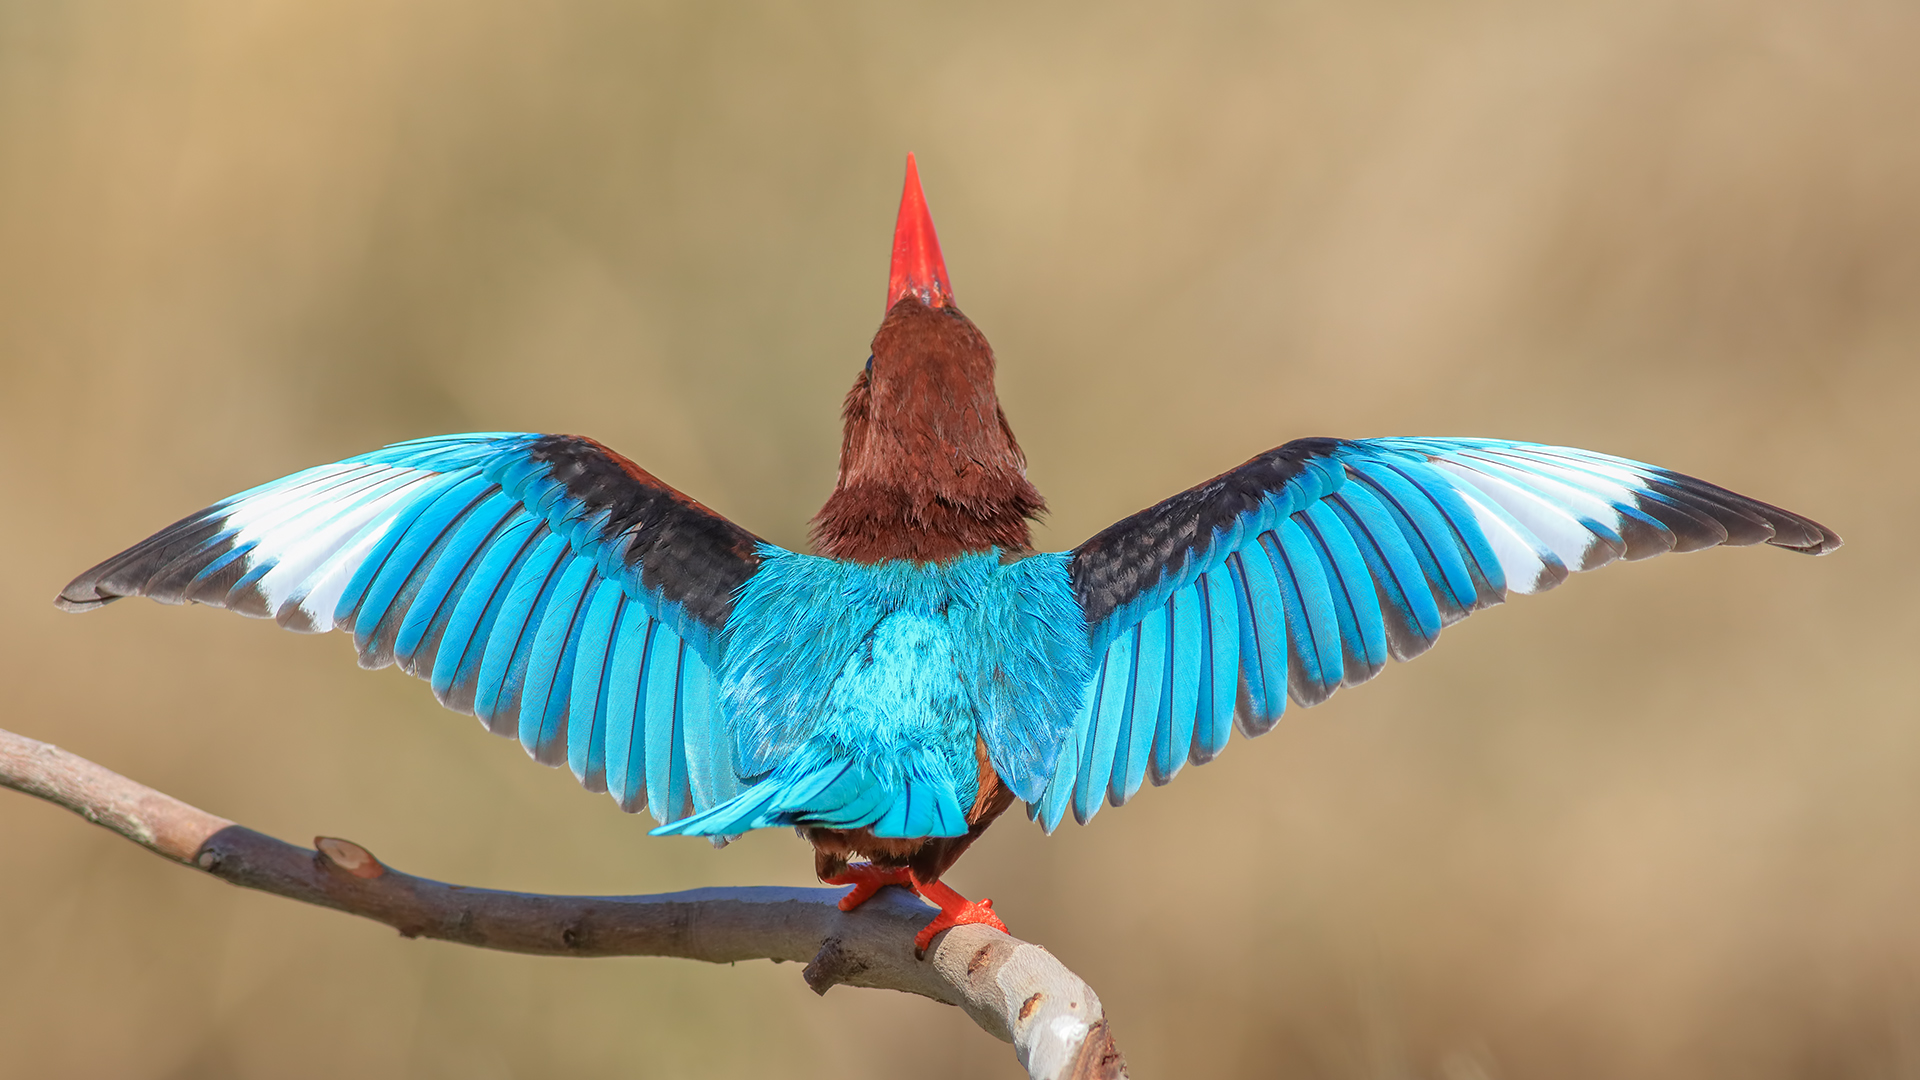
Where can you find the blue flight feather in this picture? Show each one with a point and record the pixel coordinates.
(1220, 682)
(1149, 677)
(392, 593)
(626, 751)
(464, 643)
(1263, 637)
(420, 522)
(666, 763)
(1315, 634)
(549, 676)
(1096, 764)
(1396, 572)
(1186, 661)
(1363, 633)
(1440, 558)
(451, 566)
(704, 741)
(346, 612)
(1438, 488)
(497, 692)
(587, 701)
(1058, 798)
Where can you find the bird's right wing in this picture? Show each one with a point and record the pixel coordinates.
(544, 583)
(1304, 569)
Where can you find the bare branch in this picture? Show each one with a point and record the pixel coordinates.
(1014, 990)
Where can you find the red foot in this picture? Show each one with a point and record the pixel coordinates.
(955, 910)
(866, 880)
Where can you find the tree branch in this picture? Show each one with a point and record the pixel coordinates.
(1014, 990)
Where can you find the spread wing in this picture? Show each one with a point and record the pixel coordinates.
(1304, 569)
(543, 583)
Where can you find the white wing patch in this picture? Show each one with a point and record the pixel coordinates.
(298, 534)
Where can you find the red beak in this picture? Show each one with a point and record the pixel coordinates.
(918, 269)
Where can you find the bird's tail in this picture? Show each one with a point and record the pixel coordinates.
(914, 801)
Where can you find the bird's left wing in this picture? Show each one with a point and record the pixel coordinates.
(544, 583)
(1304, 569)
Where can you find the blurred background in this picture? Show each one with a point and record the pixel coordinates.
(1660, 823)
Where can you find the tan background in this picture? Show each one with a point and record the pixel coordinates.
(1659, 824)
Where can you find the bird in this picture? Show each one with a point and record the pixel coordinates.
(896, 689)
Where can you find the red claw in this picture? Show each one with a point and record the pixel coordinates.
(866, 880)
(955, 910)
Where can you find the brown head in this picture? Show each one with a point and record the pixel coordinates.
(929, 468)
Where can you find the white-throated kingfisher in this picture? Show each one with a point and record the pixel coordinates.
(894, 692)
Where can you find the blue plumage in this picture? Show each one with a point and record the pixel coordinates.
(853, 695)
(399, 568)
(898, 669)
(463, 647)
(1427, 536)
(433, 604)
(1397, 578)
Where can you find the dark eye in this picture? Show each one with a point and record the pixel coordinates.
(869, 365)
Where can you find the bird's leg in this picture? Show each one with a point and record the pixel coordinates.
(866, 880)
(955, 910)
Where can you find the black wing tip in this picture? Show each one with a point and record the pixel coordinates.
(82, 596)
(97, 587)
(1825, 541)
(122, 576)
(1791, 532)
(1786, 529)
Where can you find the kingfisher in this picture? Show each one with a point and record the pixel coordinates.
(893, 692)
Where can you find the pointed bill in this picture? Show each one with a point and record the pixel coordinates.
(918, 269)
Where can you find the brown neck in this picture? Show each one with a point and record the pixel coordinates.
(929, 468)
